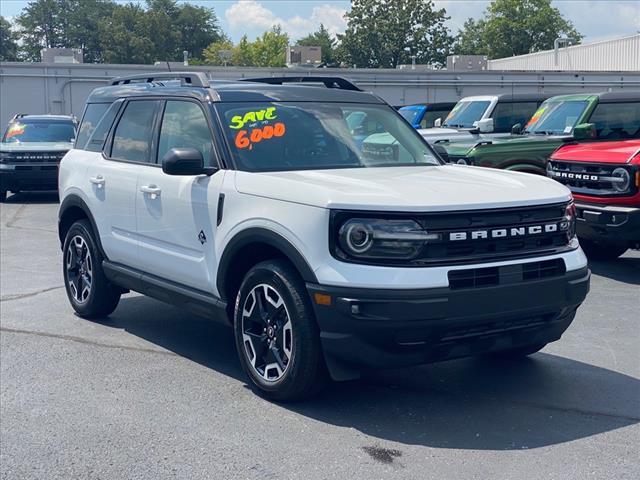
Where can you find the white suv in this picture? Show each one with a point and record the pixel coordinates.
(254, 203)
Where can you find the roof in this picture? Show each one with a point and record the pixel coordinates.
(56, 118)
(430, 105)
(232, 91)
(603, 97)
(509, 97)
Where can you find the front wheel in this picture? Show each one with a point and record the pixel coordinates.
(602, 250)
(90, 293)
(276, 333)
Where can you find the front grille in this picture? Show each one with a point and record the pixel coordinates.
(508, 274)
(488, 235)
(35, 157)
(585, 178)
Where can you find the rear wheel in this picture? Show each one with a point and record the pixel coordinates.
(88, 290)
(602, 250)
(276, 333)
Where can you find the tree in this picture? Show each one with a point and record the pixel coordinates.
(125, 36)
(212, 54)
(198, 28)
(40, 25)
(82, 28)
(242, 55)
(323, 39)
(269, 50)
(8, 42)
(515, 27)
(386, 33)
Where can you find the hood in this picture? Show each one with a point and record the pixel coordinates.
(462, 147)
(622, 151)
(423, 189)
(36, 147)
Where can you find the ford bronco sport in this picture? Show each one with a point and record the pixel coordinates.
(485, 116)
(252, 202)
(605, 116)
(605, 180)
(31, 149)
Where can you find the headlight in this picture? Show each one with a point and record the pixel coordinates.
(569, 223)
(401, 239)
(622, 179)
(4, 156)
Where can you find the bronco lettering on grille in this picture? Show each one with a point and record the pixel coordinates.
(508, 232)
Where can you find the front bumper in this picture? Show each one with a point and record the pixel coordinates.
(385, 328)
(41, 177)
(611, 223)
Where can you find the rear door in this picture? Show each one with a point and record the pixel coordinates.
(112, 176)
(176, 215)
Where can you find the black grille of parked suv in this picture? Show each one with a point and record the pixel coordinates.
(593, 178)
(471, 236)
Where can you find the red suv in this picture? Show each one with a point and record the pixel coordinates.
(605, 180)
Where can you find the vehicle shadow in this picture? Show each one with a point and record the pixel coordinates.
(466, 404)
(624, 269)
(33, 197)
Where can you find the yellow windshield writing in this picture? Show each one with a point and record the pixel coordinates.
(239, 121)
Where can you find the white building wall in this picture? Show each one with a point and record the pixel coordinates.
(616, 55)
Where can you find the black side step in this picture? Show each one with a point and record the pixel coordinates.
(196, 301)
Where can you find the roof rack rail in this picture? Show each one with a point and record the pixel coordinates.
(329, 82)
(19, 115)
(189, 79)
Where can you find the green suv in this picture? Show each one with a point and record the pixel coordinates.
(561, 119)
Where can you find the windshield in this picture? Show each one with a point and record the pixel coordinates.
(411, 114)
(39, 131)
(304, 136)
(466, 114)
(556, 118)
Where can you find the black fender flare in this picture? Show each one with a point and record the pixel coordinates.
(268, 237)
(74, 201)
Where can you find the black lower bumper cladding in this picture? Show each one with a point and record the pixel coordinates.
(613, 223)
(385, 328)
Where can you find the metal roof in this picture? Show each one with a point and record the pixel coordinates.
(603, 97)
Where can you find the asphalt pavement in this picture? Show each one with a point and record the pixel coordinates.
(154, 392)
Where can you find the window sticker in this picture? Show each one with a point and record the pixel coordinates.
(536, 116)
(244, 139)
(15, 129)
(456, 107)
(239, 121)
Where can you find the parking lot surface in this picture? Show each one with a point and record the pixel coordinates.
(155, 393)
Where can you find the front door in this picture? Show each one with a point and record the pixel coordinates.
(176, 215)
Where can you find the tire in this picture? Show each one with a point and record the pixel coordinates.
(519, 352)
(602, 250)
(88, 290)
(276, 333)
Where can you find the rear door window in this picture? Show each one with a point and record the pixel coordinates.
(617, 120)
(132, 139)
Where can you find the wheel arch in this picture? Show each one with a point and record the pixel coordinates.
(72, 209)
(250, 247)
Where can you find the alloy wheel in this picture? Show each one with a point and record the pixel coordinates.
(79, 267)
(267, 332)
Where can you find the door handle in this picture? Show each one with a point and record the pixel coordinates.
(152, 190)
(97, 180)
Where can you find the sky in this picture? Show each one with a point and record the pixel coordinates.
(595, 19)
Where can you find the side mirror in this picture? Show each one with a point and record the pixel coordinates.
(516, 129)
(584, 131)
(183, 161)
(437, 123)
(485, 125)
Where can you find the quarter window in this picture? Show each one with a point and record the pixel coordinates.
(92, 115)
(617, 120)
(184, 125)
(132, 138)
